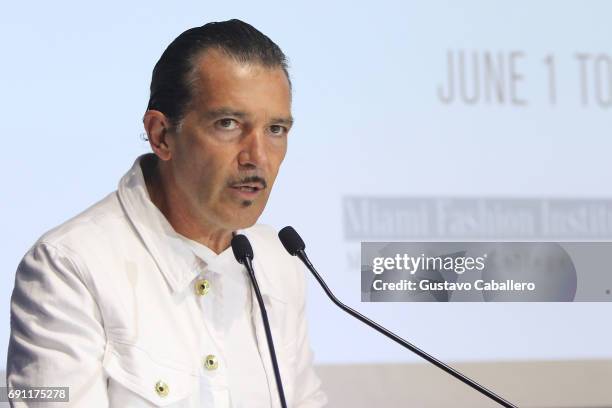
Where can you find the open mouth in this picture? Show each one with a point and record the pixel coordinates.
(248, 190)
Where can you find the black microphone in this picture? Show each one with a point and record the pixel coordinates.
(294, 244)
(243, 252)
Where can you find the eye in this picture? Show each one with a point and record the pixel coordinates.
(278, 130)
(227, 124)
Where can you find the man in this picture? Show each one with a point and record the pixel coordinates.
(138, 301)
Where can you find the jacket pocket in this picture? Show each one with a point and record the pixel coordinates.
(139, 379)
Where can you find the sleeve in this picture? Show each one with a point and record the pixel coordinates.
(57, 338)
(308, 391)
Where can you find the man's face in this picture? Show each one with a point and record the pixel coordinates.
(232, 141)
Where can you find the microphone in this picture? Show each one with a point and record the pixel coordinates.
(243, 252)
(294, 244)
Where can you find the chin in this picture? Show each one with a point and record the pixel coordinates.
(246, 203)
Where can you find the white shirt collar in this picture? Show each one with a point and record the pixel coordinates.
(172, 252)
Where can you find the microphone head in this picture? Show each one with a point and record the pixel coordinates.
(291, 240)
(242, 248)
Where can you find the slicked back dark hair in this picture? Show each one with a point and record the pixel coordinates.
(176, 70)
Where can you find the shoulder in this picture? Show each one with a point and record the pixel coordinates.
(56, 267)
(94, 231)
(101, 217)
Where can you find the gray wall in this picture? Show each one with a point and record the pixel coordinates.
(558, 384)
(527, 384)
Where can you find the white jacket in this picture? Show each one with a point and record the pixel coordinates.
(104, 304)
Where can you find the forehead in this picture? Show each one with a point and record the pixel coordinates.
(220, 80)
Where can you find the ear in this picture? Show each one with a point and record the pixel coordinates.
(156, 125)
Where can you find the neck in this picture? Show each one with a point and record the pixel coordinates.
(177, 212)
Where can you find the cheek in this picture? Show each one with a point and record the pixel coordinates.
(203, 165)
(187, 161)
(216, 174)
(213, 179)
(277, 156)
(199, 178)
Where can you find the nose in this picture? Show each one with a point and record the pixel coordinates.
(253, 152)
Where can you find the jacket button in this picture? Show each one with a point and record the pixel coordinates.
(161, 388)
(202, 286)
(210, 362)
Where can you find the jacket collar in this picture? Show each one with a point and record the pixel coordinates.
(174, 259)
(173, 256)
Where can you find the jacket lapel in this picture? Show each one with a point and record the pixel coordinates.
(172, 257)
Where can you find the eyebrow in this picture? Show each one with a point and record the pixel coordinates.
(283, 121)
(215, 113)
(224, 111)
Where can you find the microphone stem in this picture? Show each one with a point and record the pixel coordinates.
(264, 316)
(483, 390)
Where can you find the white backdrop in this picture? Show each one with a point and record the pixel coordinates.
(373, 118)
